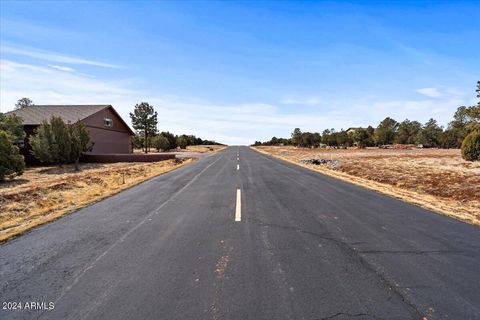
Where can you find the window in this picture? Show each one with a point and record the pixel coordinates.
(108, 122)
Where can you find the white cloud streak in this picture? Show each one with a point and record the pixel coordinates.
(305, 101)
(61, 68)
(53, 57)
(430, 92)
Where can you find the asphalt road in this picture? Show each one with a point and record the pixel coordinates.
(307, 246)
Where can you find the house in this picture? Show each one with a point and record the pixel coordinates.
(353, 130)
(108, 131)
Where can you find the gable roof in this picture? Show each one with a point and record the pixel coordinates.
(36, 114)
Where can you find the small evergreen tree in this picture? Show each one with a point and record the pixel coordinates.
(431, 134)
(471, 146)
(361, 138)
(79, 142)
(49, 141)
(407, 132)
(386, 131)
(182, 142)
(159, 142)
(478, 93)
(172, 141)
(12, 125)
(11, 161)
(57, 142)
(297, 137)
(137, 141)
(343, 139)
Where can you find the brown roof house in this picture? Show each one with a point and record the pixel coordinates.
(109, 133)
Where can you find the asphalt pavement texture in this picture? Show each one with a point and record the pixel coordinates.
(307, 246)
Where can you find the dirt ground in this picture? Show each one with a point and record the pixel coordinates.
(437, 179)
(46, 193)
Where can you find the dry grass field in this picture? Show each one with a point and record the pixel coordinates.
(199, 149)
(45, 193)
(204, 149)
(436, 179)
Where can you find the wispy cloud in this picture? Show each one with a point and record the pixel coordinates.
(430, 92)
(47, 85)
(313, 101)
(53, 57)
(418, 109)
(61, 68)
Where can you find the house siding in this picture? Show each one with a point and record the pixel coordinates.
(108, 140)
(96, 121)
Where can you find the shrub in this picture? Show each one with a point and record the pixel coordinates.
(471, 146)
(182, 142)
(172, 141)
(160, 142)
(138, 141)
(11, 161)
(57, 142)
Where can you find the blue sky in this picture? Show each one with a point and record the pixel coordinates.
(243, 71)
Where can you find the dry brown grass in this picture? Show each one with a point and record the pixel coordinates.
(199, 149)
(205, 149)
(436, 179)
(45, 193)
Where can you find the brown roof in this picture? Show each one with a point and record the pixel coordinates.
(36, 114)
(354, 128)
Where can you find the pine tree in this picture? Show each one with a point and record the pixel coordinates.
(144, 121)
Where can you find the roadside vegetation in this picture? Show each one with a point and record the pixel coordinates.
(57, 142)
(165, 141)
(12, 136)
(12, 163)
(389, 132)
(471, 146)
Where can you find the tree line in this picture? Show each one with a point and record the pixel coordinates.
(466, 121)
(165, 140)
(144, 121)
